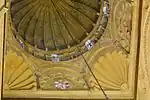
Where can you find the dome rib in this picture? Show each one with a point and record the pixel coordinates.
(22, 12)
(79, 19)
(38, 34)
(90, 3)
(65, 34)
(58, 17)
(17, 6)
(82, 8)
(72, 25)
(58, 21)
(70, 33)
(25, 21)
(64, 22)
(49, 38)
(54, 28)
(75, 23)
(29, 34)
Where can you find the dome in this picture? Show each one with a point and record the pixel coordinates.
(46, 27)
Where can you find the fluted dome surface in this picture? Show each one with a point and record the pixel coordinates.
(54, 25)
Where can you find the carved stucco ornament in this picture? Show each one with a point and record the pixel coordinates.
(121, 22)
(50, 76)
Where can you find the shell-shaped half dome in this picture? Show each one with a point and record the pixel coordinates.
(55, 25)
(18, 74)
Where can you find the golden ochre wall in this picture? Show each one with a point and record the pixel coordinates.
(135, 83)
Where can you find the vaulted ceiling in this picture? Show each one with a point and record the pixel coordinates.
(44, 28)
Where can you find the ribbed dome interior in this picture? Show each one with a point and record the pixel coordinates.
(54, 24)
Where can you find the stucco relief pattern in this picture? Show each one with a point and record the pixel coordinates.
(50, 76)
(121, 23)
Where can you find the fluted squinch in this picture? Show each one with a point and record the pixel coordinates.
(18, 75)
(112, 71)
(56, 25)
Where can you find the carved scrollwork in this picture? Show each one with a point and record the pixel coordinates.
(121, 21)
